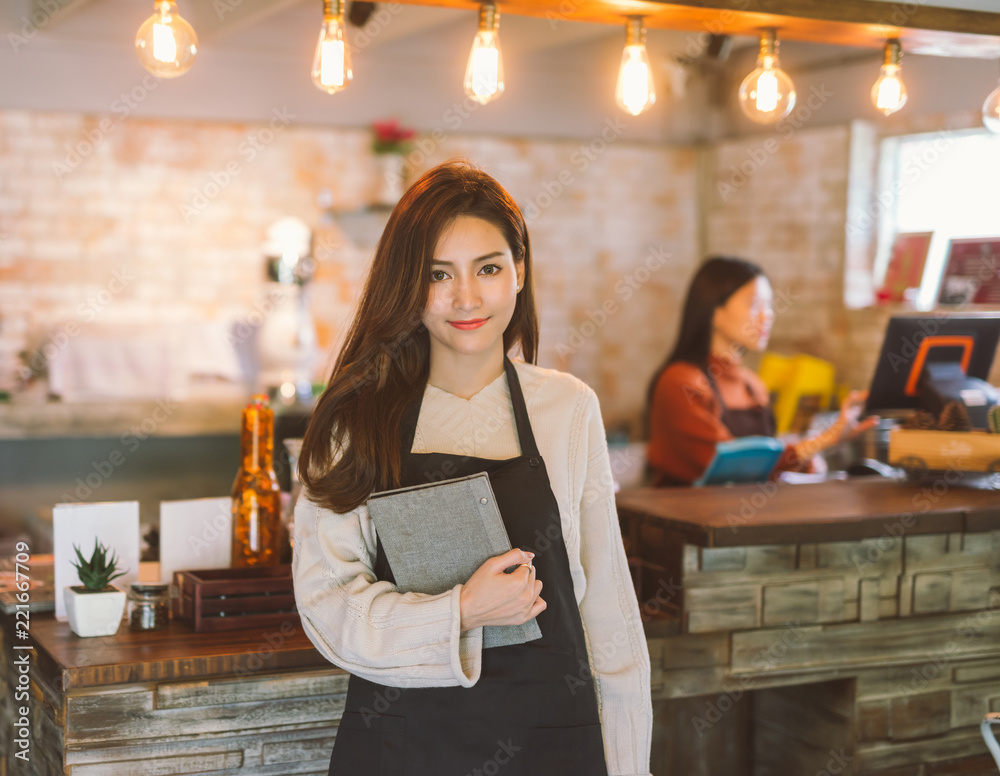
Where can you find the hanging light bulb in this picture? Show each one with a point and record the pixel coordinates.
(484, 73)
(166, 44)
(635, 91)
(889, 92)
(991, 111)
(331, 70)
(767, 95)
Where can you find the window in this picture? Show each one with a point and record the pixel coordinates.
(938, 188)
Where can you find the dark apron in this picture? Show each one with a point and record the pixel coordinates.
(751, 421)
(533, 711)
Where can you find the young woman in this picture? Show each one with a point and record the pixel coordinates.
(423, 386)
(703, 395)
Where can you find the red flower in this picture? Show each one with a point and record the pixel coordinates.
(389, 137)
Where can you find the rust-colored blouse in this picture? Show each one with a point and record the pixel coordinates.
(685, 418)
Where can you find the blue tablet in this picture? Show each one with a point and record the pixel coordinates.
(747, 459)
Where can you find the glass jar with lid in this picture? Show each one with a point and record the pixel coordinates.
(148, 607)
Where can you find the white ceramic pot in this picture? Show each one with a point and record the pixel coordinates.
(391, 181)
(94, 614)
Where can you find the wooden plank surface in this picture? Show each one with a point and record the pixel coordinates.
(858, 645)
(922, 28)
(275, 752)
(93, 723)
(834, 511)
(67, 661)
(219, 692)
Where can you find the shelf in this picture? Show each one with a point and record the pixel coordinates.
(363, 227)
(22, 420)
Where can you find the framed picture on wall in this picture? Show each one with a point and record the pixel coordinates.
(972, 272)
(906, 267)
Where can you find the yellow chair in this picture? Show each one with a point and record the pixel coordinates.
(800, 386)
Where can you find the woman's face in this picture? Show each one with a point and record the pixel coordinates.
(745, 319)
(474, 284)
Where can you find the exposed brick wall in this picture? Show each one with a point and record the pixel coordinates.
(182, 208)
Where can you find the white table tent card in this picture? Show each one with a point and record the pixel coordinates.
(194, 534)
(115, 524)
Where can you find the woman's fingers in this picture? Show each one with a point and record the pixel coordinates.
(864, 425)
(532, 587)
(514, 557)
(493, 597)
(857, 397)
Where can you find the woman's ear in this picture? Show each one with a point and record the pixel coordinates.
(520, 274)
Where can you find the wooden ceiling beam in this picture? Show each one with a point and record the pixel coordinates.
(866, 23)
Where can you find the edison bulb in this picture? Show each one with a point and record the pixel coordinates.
(767, 95)
(166, 44)
(331, 70)
(484, 79)
(635, 90)
(991, 111)
(889, 92)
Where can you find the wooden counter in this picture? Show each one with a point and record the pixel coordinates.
(842, 627)
(170, 702)
(845, 627)
(832, 511)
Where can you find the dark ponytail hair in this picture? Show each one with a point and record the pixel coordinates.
(716, 280)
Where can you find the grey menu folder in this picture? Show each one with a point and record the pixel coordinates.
(436, 535)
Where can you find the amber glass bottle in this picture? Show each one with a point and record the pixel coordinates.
(256, 494)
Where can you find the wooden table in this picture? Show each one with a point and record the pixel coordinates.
(855, 619)
(169, 702)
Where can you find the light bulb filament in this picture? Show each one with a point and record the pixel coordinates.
(636, 81)
(485, 65)
(767, 92)
(332, 67)
(888, 93)
(164, 45)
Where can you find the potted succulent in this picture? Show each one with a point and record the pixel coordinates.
(95, 607)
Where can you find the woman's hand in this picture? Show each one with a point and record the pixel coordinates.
(845, 427)
(853, 405)
(491, 597)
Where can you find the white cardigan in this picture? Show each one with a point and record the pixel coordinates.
(414, 640)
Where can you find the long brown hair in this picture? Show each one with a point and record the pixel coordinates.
(351, 447)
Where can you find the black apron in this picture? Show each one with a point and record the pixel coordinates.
(533, 711)
(751, 421)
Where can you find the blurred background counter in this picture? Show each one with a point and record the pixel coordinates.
(790, 625)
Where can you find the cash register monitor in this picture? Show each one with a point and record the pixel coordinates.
(928, 361)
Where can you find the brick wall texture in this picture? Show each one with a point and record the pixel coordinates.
(151, 222)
